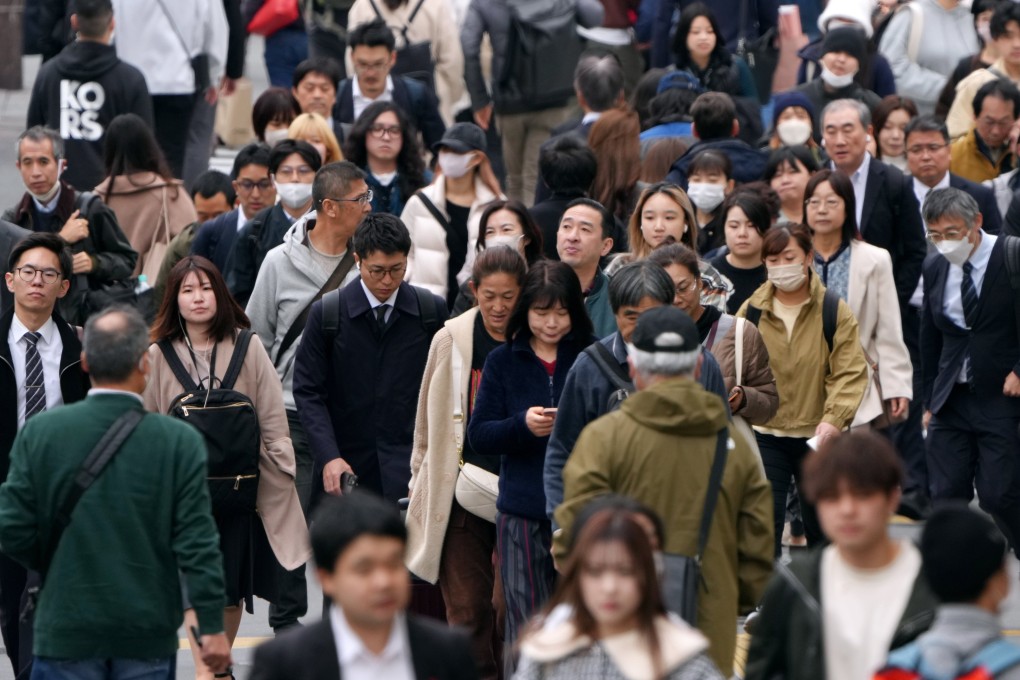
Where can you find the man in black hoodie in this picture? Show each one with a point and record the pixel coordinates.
(83, 88)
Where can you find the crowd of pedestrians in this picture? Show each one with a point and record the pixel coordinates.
(567, 338)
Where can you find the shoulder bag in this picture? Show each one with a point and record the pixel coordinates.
(477, 488)
(414, 60)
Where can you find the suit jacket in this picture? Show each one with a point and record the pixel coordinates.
(10, 234)
(891, 219)
(438, 652)
(215, 239)
(74, 383)
(985, 198)
(992, 343)
(417, 101)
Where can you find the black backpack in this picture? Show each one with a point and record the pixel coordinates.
(542, 52)
(229, 424)
(414, 60)
(332, 301)
(830, 316)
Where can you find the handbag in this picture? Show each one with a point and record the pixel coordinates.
(274, 15)
(153, 260)
(477, 488)
(886, 419)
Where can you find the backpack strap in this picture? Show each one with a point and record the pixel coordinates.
(236, 359)
(331, 315)
(830, 316)
(712, 494)
(995, 658)
(175, 364)
(427, 310)
(84, 202)
(609, 366)
(444, 222)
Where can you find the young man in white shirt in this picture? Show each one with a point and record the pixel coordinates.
(836, 612)
(358, 540)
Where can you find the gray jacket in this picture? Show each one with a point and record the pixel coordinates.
(493, 17)
(287, 282)
(958, 633)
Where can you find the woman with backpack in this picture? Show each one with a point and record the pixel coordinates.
(196, 330)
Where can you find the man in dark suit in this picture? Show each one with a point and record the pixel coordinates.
(970, 358)
(37, 276)
(356, 386)
(358, 541)
(314, 86)
(373, 53)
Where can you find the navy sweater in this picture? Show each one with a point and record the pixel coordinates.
(513, 381)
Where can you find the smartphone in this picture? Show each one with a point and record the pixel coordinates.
(549, 412)
(348, 482)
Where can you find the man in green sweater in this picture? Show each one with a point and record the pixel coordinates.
(110, 604)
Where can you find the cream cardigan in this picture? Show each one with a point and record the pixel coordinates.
(434, 458)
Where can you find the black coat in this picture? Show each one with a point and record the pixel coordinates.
(417, 101)
(74, 383)
(262, 233)
(215, 239)
(992, 344)
(891, 219)
(985, 198)
(310, 653)
(10, 234)
(358, 395)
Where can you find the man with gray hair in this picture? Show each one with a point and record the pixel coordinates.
(658, 449)
(970, 359)
(141, 523)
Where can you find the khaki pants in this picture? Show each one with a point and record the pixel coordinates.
(523, 135)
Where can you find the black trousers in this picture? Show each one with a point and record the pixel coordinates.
(12, 586)
(907, 436)
(292, 593)
(968, 449)
(782, 457)
(172, 113)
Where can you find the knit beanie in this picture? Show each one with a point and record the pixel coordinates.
(845, 39)
(857, 11)
(960, 550)
(785, 100)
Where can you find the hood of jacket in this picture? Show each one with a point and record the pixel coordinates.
(86, 60)
(678, 406)
(134, 183)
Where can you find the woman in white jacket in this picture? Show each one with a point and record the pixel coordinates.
(443, 217)
(862, 275)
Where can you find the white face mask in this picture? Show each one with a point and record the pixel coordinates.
(794, 131)
(274, 137)
(787, 277)
(706, 196)
(509, 241)
(985, 31)
(293, 195)
(455, 165)
(957, 252)
(837, 82)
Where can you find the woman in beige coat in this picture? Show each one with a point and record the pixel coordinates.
(201, 321)
(862, 275)
(446, 542)
(151, 206)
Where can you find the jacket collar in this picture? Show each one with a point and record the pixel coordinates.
(69, 355)
(763, 297)
(357, 301)
(65, 204)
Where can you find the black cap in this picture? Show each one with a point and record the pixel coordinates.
(665, 329)
(845, 39)
(960, 550)
(462, 138)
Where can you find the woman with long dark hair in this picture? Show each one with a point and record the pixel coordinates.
(890, 119)
(201, 322)
(615, 140)
(700, 49)
(607, 618)
(514, 414)
(151, 206)
(384, 143)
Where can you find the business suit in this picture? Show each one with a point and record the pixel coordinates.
(215, 239)
(414, 98)
(985, 198)
(310, 653)
(972, 438)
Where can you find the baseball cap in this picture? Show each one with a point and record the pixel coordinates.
(665, 329)
(462, 138)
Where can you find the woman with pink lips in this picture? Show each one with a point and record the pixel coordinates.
(445, 542)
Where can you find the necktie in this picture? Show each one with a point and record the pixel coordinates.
(970, 296)
(35, 388)
(380, 316)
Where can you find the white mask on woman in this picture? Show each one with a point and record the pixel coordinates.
(705, 195)
(455, 165)
(274, 137)
(837, 82)
(787, 277)
(794, 131)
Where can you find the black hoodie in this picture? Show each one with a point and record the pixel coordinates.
(78, 93)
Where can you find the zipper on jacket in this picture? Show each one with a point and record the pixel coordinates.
(236, 404)
(552, 393)
(237, 479)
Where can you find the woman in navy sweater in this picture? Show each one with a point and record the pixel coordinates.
(513, 416)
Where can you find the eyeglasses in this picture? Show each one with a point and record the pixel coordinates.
(363, 199)
(365, 67)
(829, 203)
(919, 149)
(379, 273)
(246, 185)
(287, 171)
(949, 235)
(27, 273)
(379, 131)
(685, 286)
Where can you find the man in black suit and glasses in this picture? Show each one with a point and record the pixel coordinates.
(358, 541)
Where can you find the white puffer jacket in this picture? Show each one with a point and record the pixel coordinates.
(428, 261)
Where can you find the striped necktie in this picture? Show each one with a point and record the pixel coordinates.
(35, 387)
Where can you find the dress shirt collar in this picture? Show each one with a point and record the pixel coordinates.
(241, 219)
(52, 205)
(983, 253)
(921, 189)
(374, 302)
(99, 391)
(387, 92)
(350, 648)
(48, 331)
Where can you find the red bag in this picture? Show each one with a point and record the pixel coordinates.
(274, 15)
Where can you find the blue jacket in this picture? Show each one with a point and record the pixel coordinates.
(587, 393)
(215, 239)
(513, 381)
(748, 163)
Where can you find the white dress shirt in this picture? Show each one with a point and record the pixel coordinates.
(921, 190)
(50, 347)
(859, 179)
(952, 300)
(375, 302)
(359, 663)
(361, 102)
(241, 219)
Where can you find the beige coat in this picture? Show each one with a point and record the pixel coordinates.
(872, 299)
(961, 114)
(434, 457)
(434, 23)
(277, 502)
(137, 200)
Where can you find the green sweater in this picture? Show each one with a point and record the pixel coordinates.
(113, 590)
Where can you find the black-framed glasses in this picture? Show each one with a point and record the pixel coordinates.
(363, 199)
(27, 274)
(379, 131)
(246, 185)
(379, 273)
